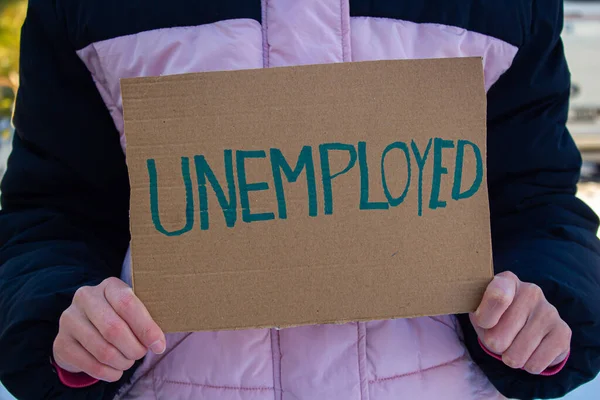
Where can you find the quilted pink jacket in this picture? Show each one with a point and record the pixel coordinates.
(421, 358)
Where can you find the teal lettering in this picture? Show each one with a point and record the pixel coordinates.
(365, 204)
(395, 201)
(327, 177)
(189, 197)
(460, 153)
(204, 172)
(421, 160)
(305, 160)
(245, 187)
(438, 170)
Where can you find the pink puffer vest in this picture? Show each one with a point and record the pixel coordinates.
(420, 358)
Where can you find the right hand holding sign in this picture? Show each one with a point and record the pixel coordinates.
(104, 331)
(516, 323)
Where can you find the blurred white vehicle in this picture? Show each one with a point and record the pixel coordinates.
(581, 37)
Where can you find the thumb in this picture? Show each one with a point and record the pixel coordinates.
(497, 298)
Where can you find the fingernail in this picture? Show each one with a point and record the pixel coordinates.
(158, 347)
(535, 372)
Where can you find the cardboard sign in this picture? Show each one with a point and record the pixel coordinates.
(308, 195)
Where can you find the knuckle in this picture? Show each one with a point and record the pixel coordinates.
(107, 354)
(124, 300)
(138, 352)
(112, 282)
(565, 332)
(59, 345)
(149, 334)
(128, 364)
(501, 297)
(533, 292)
(82, 294)
(112, 330)
(115, 376)
(63, 345)
(98, 371)
(514, 361)
(545, 317)
(494, 342)
(65, 319)
(509, 275)
(533, 367)
(69, 345)
(104, 373)
(551, 313)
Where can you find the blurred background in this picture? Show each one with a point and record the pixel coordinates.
(12, 13)
(581, 36)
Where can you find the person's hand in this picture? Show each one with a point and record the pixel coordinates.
(104, 331)
(516, 321)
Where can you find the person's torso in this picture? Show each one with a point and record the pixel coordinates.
(420, 358)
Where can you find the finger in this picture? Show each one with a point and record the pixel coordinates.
(88, 336)
(560, 358)
(497, 298)
(553, 349)
(500, 337)
(130, 308)
(112, 327)
(71, 356)
(530, 337)
(479, 330)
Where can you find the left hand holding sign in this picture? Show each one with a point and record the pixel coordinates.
(516, 322)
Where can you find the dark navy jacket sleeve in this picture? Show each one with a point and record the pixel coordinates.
(540, 230)
(65, 200)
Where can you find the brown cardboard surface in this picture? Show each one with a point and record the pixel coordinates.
(324, 243)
